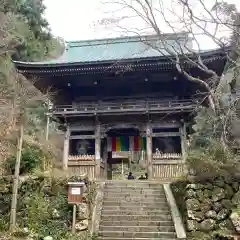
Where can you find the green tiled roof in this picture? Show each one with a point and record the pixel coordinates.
(107, 50)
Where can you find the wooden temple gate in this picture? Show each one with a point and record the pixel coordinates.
(107, 82)
(158, 165)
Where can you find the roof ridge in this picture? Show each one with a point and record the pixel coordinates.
(135, 38)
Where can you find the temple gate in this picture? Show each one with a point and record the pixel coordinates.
(121, 102)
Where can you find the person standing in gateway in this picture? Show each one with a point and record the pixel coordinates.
(130, 176)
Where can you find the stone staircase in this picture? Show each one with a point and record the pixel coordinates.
(135, 210)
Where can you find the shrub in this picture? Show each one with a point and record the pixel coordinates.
(178, 189)
(212, 161)
(32, 158)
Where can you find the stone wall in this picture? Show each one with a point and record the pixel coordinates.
(213, 206)
(48, 212)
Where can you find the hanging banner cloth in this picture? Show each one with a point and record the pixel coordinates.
(122, 144)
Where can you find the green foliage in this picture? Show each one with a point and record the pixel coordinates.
(211, 161)
(42, 208)
(25, 24)
(210, 152)
(39, 216)
(31, 159)
(178, 190)
(207, 126)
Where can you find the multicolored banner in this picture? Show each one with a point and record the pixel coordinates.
(122, 144)
(137, 143)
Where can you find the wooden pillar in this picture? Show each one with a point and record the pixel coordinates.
(149, 150)
(97, 151)
(110, 171)
(105, 159)
(183, 142)
(66, 148)
(47, 127)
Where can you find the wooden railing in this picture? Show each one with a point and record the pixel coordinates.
(81, 157)
(128, 106)
(165, 156)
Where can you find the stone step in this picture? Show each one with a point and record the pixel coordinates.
(135, 198)
(134, 194)
(135, 235)
(133, 183)
(134, 207)
(137, 187)
(136, 212)
(130, 228)
(123, 238)
(137, 217)
(143, 193)
(137, 223)
(143, 202)
(132, 191)
(130, 205)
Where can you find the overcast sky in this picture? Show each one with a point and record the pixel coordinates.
(75, 19)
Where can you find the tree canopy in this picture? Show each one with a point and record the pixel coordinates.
(24, 36)
(26, 30)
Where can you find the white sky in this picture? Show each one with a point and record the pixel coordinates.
(75, 19)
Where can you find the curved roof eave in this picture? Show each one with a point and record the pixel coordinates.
(54, 64)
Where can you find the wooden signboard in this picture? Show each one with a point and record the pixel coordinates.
(75, 192)
(75, 196)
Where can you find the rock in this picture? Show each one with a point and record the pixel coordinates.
(4, 188)
(207, 193)
(193, 204)
(207, 225)
(26, 230)
(198, 216)
(82, 225)
(206, 205)
(227, 203)
(192, 225)
(219, 182)
(55, 214)
(217, 206)
(223, 214)
(195, 186)
(190, 193)
(226, 225)
(218, 194)
(235, 186)
(46, 190)
(228, 191)
(229, 179)
(199, 235)
(48, 238)
(211, 214)
(209, 186)
(235, 218)
(85, 189)
(236, 198)
(200, 195)
(191, 174)
(83, 212)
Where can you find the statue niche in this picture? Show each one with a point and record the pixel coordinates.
(82, 147)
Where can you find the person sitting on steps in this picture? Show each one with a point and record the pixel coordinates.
(146, 176)
(130, 176)
(141, 178)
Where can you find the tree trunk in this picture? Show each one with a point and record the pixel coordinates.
(16, 180)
